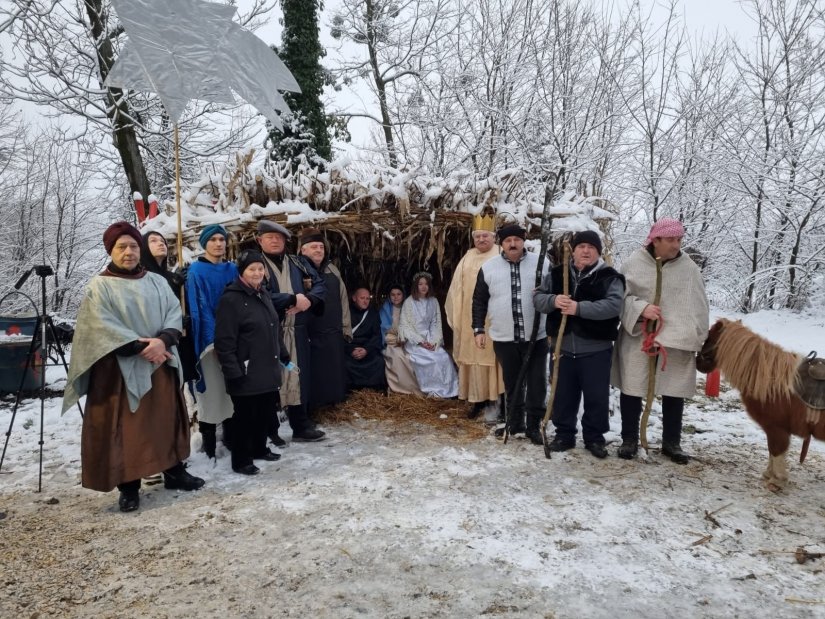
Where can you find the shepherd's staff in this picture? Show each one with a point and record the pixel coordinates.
(650, 348)
(518, 394)
(556, 353)
(180, 230)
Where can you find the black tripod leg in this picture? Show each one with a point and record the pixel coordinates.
(19, 396)
(60, 352)
(44, 354)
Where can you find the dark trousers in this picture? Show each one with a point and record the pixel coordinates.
(249, 426)
(510, 356)
(672, 409)
(299, 419)
(587, 378)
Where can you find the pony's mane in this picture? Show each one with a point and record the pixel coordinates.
(756, 367)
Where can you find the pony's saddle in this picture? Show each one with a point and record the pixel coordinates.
(810, 381)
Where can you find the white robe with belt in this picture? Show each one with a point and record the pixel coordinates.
(685, 314)
(434, 369)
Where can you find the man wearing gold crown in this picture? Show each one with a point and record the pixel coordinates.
(480, 380)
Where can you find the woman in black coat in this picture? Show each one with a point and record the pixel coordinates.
(250, 348)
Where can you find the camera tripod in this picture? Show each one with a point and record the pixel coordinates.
(45, 336)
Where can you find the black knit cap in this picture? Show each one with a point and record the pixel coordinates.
(247, 257)
(511, 230)
(587, 236)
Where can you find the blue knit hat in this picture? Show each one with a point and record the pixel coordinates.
(210, 231)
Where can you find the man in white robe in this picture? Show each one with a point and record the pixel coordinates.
(683, 316)
(480, 381)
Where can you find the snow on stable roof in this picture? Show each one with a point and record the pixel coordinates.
(390, 205)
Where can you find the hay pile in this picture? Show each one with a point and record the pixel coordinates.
(406, 414)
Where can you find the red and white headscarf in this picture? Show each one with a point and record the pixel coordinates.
(665, 227)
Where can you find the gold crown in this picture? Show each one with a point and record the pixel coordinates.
(486, 222)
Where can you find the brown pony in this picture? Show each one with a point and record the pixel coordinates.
(765, 376)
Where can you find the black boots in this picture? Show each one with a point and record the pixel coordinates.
(534, 434)
(476, 409)
(174, 478)
(129, 500)
(597, 449)
(628, 449)
(674, 452)
(672, 410)
(310, 435)
(268, 455)
(249, 469)
(559, 444)
(178, 478)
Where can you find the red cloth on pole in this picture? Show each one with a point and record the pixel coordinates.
(712, 384)
(141, 212)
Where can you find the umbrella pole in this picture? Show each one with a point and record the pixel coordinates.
(177, 208)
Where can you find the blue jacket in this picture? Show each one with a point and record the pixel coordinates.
(204, 287)
(385, 313)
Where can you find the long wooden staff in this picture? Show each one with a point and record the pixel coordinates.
(650, 327)
(548, 413)
(180, 226)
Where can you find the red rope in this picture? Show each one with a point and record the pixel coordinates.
(650, 346)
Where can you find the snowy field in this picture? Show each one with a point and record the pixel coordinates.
(381, 521)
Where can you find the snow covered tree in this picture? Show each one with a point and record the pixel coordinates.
(305, 129)
(777, 148)
(52, 212)
(394, 37)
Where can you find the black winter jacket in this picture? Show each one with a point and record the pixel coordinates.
(248, 341)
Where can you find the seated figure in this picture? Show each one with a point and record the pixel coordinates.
(365, 361)
(420, 328)
(400, 375)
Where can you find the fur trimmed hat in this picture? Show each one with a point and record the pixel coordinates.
(310, 235)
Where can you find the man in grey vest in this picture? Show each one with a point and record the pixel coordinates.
(504, 291)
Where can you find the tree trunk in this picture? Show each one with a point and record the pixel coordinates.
(123, 130)
(380, 84)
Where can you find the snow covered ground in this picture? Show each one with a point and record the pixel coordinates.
(388, 521)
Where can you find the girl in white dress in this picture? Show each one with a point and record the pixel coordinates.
(420, 329)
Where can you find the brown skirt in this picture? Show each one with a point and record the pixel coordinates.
(118, 445)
